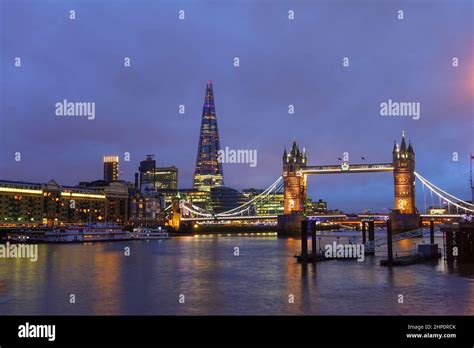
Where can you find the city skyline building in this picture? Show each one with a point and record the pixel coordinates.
(153, 178)
(111, 167)
(208, 171)
(226, 198)
(54, 204)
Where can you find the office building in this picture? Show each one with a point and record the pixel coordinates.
(111, 164)
(208, 172)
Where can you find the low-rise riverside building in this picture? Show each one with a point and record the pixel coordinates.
(23, 203)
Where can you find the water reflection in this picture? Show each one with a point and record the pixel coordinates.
(263, 278)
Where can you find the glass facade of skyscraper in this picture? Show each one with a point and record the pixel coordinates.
(153, 178)
(208, 172)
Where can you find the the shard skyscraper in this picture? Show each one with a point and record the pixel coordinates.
(208, 172)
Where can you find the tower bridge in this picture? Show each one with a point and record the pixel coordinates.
(293, 184)
(349, 168)
(296, 170)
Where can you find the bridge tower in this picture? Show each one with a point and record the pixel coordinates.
(175, 219)
(404, 177)
(294, 182)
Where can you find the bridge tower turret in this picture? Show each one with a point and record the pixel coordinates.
(294, 180)
(404, 177)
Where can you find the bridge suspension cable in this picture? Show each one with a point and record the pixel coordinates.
(275, 187)
(238, 210)
(443, 194)
(440, 190)
(194, 211)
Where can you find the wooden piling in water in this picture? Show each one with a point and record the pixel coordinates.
(389, 242)
(304, 239)
(363, 232)
(431, 232)
(371, 230)
(313, 237)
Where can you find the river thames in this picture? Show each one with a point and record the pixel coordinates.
(259, 281)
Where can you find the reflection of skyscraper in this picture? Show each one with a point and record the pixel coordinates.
(110, 168)
(208, 172)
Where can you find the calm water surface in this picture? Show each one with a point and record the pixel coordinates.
(214, 281)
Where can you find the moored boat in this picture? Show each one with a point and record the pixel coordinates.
(87, 233)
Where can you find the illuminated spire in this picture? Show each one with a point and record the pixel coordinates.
(403, 145)
(208, 172)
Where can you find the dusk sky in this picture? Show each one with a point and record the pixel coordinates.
(282, 62)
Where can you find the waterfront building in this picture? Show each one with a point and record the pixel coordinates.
(53, 204)
(21, 202)
(111, 164)
(147, 210)
(208, 172)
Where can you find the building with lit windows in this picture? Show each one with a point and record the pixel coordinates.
(53, 204)
(433, 210)
(199, 198)
(226, 198)
(319, 207)
(21, 202)
(208, 172)
(147, 210)
(153, 178)
(271, 205)
(111, 168)
(166, 178)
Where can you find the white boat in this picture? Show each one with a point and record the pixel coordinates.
(87, 233)
(149, 233)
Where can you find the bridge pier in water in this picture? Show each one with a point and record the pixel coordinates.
(290, 225)
(425, 252)
(389, 243)
(363, 232)
(314, 256)
(431, 231)
(304, 240)
(313, 237)
(371, 230)
(459, 242)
